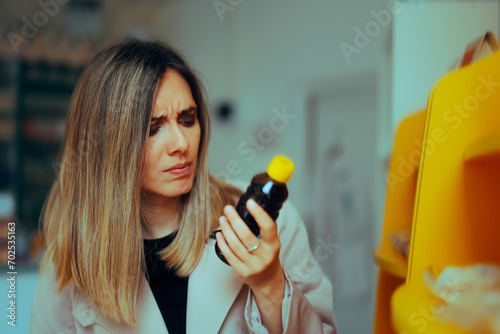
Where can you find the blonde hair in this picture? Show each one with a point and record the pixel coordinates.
(93, 218)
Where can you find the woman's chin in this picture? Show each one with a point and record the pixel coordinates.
(172, 190)
(177, 191)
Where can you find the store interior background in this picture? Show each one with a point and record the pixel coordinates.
(274, 71)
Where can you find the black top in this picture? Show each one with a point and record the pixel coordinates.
(170, 290)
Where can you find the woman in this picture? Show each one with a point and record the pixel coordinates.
(128, 222)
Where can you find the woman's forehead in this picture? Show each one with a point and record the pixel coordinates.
(173, 97)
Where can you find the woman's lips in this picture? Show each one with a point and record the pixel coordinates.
(180, 171)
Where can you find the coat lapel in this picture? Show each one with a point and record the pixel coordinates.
(151, 317)
(212, 289)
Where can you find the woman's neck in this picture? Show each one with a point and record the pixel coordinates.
(162, 215)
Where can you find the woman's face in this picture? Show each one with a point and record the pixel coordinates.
(174, 138)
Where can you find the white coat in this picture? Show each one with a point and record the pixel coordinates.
(218, 302)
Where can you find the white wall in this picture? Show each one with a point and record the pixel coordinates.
(258, 55)
(428, 37)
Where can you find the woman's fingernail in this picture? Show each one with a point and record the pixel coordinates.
(228, 208)
(217, 235)
(222, 220)
(251, 203)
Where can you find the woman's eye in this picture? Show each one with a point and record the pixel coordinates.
(188, 120)
(154, 129)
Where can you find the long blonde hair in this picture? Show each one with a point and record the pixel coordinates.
(93, 218)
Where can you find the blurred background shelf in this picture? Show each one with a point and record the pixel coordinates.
(43, 95)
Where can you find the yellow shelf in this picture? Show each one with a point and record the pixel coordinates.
(412, 308)
(398, 215)
(455, 212)
(485, 149)
(390, 261)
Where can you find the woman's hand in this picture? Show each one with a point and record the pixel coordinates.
(259, 268)
(256, 261)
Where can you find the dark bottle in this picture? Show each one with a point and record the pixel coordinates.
(268, 190)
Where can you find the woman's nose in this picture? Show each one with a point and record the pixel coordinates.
(177, 141)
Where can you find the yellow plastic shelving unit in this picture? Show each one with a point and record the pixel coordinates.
(402, 180)
(457, 200)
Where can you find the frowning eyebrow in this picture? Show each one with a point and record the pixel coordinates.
(183, 112)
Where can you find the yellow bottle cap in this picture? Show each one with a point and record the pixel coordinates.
(280, 169)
